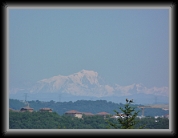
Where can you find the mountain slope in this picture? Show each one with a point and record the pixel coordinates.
(89, 84)
(83, 83)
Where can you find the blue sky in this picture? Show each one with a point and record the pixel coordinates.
(124, 46)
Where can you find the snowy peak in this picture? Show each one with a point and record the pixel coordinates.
(89, 83)
(91, 76)
(76, 83)
(52, 79)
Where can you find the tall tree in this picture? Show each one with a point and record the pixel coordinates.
(126, 120)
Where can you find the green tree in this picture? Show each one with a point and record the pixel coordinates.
(127, 120)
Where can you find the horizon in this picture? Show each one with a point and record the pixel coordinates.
(153, 104)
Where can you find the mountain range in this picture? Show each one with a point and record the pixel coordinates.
(87, 84)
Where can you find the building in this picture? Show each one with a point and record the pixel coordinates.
(74, 113)
(27, 108)
(24, 109)
(140, 117)
(45, 110)
(156, 117)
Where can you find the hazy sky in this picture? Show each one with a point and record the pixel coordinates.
(124, 46)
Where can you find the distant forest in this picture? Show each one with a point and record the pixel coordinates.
(93, 107)
(52, 120)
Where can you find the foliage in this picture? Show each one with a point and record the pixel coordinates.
(127, 120)
(33, 120)
(152, 123)
(16, 104)
(52, 120)
(82, 106)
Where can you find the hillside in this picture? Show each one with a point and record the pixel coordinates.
(47, 120)
(83, 106)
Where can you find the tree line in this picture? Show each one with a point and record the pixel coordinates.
(83, 106)
(52, 120)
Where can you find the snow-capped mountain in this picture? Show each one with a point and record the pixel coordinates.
(83, 83)
(90, 84)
